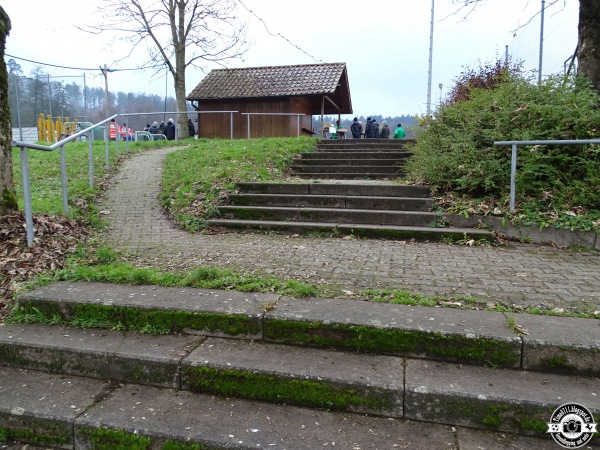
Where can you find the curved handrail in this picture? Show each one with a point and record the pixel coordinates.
(51, 148)
(63, 169)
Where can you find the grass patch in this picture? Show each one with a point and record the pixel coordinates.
(197, 179)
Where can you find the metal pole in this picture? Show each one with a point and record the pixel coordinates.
(91, 162)
(248, 126)
(84, 97)
(17, 79)
(430, 60)
(506, 56)
(63, 175)
(49, 97)
(298, 125)
(106, 141)
(27, 197)
(541, 43)
(513, 176)
(230, 125)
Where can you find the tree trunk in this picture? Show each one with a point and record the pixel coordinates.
(7, 189)
(589, 41)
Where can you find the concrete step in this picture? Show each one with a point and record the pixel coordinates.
(299, 357)
(449, 234)
(332, 201)
(333, 188)
(330, 215)
(357, 230)
(385, 386)
(356, 154)
(349, 176)
(329, 168)
(552, 344)
(366, 162)
(80, 413)
(364, 143)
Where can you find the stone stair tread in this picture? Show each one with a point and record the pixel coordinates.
(336, 187)
(335, 210)
(82, 413)
(320, 226)
(421, 390)
(552, 338)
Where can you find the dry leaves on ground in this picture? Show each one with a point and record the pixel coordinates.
(55, 238)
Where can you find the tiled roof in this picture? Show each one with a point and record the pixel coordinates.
(309, 79)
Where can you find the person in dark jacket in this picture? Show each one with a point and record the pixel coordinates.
(369, 129)
(154, 128)
(356, 128)
(161, 127)
(191, 128)
(170, 130)
(385, 131)
(375, 129)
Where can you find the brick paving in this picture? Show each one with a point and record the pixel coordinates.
(522, 274)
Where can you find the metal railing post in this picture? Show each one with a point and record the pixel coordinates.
(299, 126)
(63, 175)
(513, 160)
(106, 141)
(27, 196)
(248, 126)
(91, 163)
(117, 138)
(513, 176)
(231, 125)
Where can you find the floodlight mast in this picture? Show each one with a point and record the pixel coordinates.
(430, 60)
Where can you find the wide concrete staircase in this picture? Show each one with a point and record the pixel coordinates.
(224, 370)
(344, 194)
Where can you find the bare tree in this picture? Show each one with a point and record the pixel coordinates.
(7, 189)
(588, 47)
(178, 34)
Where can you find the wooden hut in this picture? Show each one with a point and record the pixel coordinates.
(274, 101)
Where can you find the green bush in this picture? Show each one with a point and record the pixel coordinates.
(456, 152)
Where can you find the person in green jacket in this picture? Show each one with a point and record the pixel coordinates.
(399, 133)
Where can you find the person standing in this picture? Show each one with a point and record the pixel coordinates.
(154, 128)
(399, 133)
(170, 130)
(191, 128)
(385, 131)
(375, 129)
(369, 129)
(356, 128)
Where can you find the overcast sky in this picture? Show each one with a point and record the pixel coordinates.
(385, 48)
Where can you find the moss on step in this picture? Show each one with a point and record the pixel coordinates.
(304, 392)
(162, 321)
(482, 351)
(36, 431)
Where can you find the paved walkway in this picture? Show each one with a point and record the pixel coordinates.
(521, 274)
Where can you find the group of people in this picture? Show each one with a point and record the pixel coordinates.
(124, 133)
(168, 129)
(373, 131)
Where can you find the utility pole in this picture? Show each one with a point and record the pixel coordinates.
(541, 42)
(430, 60)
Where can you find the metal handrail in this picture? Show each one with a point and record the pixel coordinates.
(513, 159)
(63, 170)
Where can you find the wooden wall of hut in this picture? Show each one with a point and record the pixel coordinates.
(218, 125)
